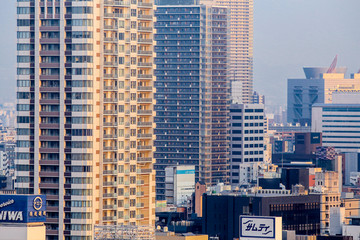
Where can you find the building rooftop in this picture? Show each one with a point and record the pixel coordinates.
(315, 72)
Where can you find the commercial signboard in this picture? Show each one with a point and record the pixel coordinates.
(254, 227)
(22, 208)
(184, 183)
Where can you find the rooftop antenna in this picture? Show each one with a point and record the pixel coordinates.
(332, 68)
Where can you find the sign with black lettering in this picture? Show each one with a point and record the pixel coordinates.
(253, 227)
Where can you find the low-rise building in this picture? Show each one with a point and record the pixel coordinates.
(180, 184)
(352, 228)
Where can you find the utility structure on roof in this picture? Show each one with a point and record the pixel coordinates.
(124, 232)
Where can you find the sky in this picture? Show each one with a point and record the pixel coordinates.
(291, 34)
(288, 34)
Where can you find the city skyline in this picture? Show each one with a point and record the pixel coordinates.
(272, 63)
(141, 120)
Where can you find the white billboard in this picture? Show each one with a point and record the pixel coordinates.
(253, 227)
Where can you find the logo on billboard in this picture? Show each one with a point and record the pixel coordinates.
(37, 203)
(257, 227)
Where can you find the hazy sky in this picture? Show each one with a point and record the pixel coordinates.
(289, 34)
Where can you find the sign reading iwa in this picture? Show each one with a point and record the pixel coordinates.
(22, 208)
(252, 227)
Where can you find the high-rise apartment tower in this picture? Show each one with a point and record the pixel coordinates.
(192, 91)
(85, 112)
(240, 48)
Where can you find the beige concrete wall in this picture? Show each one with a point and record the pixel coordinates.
(22, 232)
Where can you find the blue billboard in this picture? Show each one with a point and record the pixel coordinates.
(22, 208)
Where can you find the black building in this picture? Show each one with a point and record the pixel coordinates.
(293, 176)
(221, 213)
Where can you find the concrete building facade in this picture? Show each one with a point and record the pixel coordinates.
(85, 111)
(247, 142)
(180, 184)
(339, 124)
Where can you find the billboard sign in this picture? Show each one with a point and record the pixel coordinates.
(253, 227)
(22, 208)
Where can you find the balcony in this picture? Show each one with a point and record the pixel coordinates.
(113, 148)
(111, 88)
(49, 114)
(110, 124)
(110, 64)
(49, 89)
(144, 100)
(110, 172)
(111, 51)
(110, 136)
(110, 100)
(147, 17)
(116, 3)
(144, 88)
(144, 4)
(144, 40)
(49, 185)
(145, 147)
(112, 218)
(110, 76)
(110, 39)
(145, 76)
(109, 207)
(110, 160)
(145, 112)
(110, 27)
(145, 29)
(110, 195)
(49, 150)
(110, 183)
(141, 64)
(49, 138)
(49, 40)
(49, 53)
(110, 112)
(145, 159)
(144, 124)
(149, 136)
(49, 101)
(144, 171)
(142, 52)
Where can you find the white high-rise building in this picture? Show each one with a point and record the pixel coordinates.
(247, 142)
(339, 121)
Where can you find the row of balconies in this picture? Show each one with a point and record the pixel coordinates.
(115, 112)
